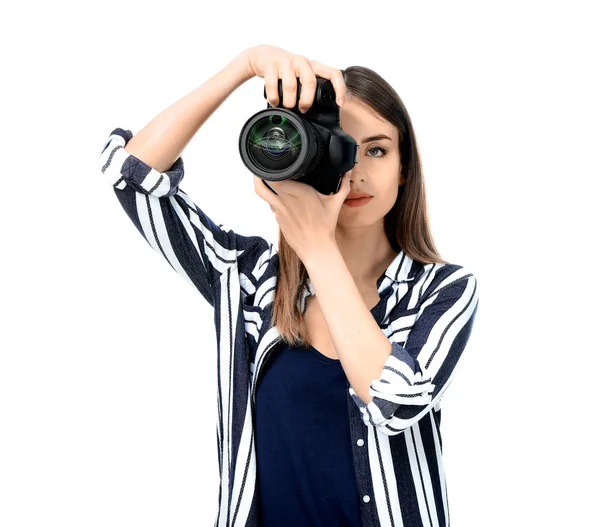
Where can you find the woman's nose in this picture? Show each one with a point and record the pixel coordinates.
(354, 174)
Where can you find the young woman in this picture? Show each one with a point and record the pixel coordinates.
(334, 349)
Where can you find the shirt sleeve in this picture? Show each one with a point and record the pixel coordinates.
(169, 220)
(417, 373)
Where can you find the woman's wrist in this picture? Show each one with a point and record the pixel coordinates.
(241, 68)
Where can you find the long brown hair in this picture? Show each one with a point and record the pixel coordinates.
(406, 224)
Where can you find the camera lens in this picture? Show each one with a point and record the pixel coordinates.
(274, 143)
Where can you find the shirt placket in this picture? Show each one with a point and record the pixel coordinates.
(360, 456)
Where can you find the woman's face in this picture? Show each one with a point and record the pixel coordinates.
(378, 168)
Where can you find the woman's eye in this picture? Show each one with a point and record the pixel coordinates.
(377, 148)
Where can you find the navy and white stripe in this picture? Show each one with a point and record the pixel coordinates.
(426, 311)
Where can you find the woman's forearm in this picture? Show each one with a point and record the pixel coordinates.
(162, 140)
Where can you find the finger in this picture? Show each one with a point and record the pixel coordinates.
(278, 187)
(260, 186)
(271, 78)
(290, 187)
(335, 76)
(308, 81)
(289, 82)
(347, 183)
(343, 191)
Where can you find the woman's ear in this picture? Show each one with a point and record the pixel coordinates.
(401, 178)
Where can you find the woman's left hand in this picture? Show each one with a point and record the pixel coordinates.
(306, 217)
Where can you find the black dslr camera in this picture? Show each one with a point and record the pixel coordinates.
(280, 143)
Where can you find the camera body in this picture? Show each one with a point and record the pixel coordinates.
(283, 143)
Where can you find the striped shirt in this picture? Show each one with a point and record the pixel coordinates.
(426, 311)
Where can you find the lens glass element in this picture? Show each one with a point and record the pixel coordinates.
(274, 143)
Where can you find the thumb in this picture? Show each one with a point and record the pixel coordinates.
(337, 199)
(345, 187)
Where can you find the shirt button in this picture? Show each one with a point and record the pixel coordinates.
(360, 442)
(366, 499)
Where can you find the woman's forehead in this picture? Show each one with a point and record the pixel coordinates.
(365, 122)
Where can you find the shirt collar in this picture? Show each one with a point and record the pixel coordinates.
(400, 268)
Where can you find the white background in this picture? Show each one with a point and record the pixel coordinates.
(107, 364)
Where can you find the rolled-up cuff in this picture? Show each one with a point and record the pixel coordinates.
(123, 168)
(402, 382)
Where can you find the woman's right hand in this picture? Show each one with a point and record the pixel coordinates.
(272, 63)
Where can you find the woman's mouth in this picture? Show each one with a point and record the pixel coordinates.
(357, 202)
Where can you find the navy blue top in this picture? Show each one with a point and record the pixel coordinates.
(305, 468)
